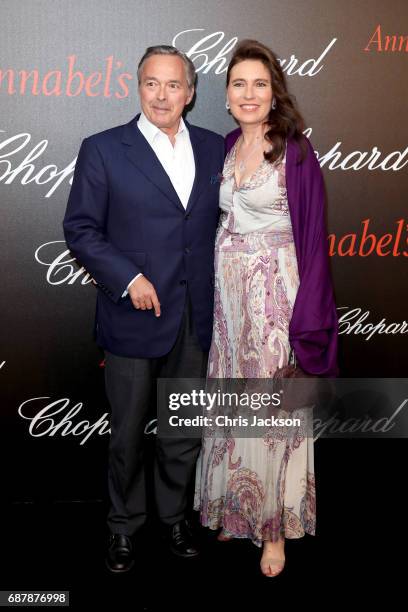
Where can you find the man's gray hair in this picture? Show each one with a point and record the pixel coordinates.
(168, 50)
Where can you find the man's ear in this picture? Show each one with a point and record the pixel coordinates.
(190, 95)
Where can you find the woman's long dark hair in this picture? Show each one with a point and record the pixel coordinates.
(285, 121)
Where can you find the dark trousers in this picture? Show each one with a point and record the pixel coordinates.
(130, 384)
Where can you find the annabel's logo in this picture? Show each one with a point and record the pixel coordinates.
(364, 243)
(386, 43)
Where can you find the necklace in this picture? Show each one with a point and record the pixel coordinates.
(242, 165)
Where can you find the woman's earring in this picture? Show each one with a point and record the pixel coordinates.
(274, 103)
(227, 105)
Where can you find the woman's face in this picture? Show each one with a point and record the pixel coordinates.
(249, 92)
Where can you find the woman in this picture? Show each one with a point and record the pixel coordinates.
(273, 292)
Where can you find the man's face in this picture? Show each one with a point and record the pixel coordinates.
(164, 91)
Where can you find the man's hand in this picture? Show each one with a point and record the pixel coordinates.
(144, 296)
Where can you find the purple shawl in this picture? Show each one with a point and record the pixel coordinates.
(313, 328)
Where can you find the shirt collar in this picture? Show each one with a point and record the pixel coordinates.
(151, 131)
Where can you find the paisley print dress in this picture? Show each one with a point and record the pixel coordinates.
(257, 488)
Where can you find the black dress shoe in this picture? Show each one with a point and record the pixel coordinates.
(120, 553)
(182, 541)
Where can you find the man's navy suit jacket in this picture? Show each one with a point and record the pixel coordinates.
(124, 217)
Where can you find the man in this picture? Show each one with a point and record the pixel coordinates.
(141, 218)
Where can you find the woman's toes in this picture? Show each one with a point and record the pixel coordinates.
(276, 569)
(271, 566)
(266, 570)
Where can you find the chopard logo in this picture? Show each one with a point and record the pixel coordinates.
(49, 418)
(354, 321)
(211, 53)
(20, 162)
(61, 268)
(57, 417)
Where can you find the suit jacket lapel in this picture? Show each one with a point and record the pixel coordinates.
(140, 153)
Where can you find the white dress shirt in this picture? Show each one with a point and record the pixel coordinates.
(177, 160)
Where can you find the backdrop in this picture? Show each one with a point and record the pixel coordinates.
(67, 70)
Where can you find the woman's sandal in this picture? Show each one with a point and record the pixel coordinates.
(223, 537)
(273, 566)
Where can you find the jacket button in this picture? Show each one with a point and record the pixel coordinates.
(186, 218)
(183, 282)
(187, 250)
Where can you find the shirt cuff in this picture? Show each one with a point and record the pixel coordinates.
(124, 294)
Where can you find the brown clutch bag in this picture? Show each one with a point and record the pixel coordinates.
(299, 390)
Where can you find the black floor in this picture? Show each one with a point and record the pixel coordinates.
(361, 526)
